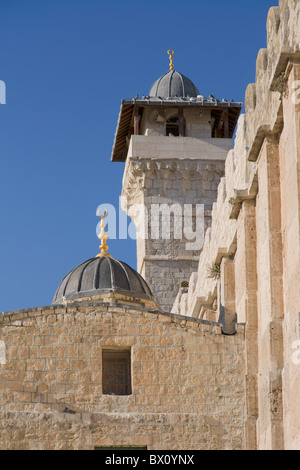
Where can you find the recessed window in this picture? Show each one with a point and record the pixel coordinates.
(172, 126)
(184, 284)
(116, 372)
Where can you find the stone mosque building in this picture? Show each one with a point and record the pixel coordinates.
(199, 348)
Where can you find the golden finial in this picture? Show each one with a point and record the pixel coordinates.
(103, 237)
(171, 53)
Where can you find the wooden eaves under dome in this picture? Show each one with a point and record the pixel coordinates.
(224, 113)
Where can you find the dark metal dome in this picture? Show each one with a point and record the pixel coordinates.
(173, 84)
(100, 275)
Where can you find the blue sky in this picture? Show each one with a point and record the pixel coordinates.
(67, 64)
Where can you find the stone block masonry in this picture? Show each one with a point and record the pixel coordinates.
(187, 380)
(151, 184)
(255, 231)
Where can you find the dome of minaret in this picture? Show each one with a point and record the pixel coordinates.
(173, 84)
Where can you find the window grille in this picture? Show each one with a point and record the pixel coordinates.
(116, 372)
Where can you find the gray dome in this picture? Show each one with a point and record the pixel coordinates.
(173, 84)
(100, 275)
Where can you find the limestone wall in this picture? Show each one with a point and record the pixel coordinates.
(255, 228)
(187, 380)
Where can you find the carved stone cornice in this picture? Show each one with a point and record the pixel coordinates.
(137, 171)
(263, 99)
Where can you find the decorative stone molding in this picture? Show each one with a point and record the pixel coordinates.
(138, 175)
(263, 103)
(263, 118)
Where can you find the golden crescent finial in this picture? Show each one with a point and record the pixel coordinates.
(171, 53)
(103, 237)
(103, 216)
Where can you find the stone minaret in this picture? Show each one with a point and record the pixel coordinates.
(174, 143)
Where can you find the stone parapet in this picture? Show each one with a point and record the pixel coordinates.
(157, 147)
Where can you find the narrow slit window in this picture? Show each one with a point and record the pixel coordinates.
(116, 372)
